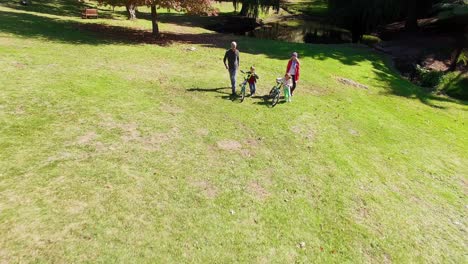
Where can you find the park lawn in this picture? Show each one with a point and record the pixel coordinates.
(119, 151)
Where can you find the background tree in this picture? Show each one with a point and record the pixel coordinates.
(252, 8)
(188, 6)
(130, 6)
(415, 9)
(362, 16)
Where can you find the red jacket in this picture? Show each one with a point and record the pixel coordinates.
(297, 69)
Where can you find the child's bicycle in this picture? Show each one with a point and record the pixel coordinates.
(275, 92)
(244, 84)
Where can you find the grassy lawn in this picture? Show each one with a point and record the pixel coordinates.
(315, 8)
(113, 150)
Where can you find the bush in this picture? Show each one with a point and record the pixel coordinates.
(370, 40)
(455, 85)
(428, 78)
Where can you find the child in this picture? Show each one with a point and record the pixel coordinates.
(253, 77)
(287, 83)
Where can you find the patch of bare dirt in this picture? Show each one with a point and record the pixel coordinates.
(207, 188)
(19, 110)
(253, 142)
(362, 210)
(171, 109)
(155, 140)
(257, 190)
(86, 138)
(303, 131)
(354, 132)
(229, 145)
(132, 134)
(202, 132)
(76, 207)
(350, 82)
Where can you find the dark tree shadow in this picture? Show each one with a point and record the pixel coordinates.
(396, 85)
(71, 8)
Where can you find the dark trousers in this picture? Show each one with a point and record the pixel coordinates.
(293, 77)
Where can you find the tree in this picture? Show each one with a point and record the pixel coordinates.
(188, 6)
(252, 8)
(130, 5)
(414, 10)
(361, 16)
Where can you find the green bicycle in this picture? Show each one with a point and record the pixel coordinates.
(244, 84)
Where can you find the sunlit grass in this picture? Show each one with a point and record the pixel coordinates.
(113, 151)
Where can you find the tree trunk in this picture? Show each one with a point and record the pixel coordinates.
(412, 16)
(244, 10)
(461, 43)
(154, 21)
(131, 11)
(356, 31)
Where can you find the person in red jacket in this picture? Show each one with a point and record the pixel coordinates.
(293, 70)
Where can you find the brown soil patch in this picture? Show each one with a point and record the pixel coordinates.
(86, 138)
(246, 153)
(132, 134)
(350, 82)
(155, 140)
(171, 109)
(302, 131)
(202, 132)
(19, 110)
(257, 190)
(229, 145)
(353, 132)
(253, 142)
(207, 188)
(76, 207)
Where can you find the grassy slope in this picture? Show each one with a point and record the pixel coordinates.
(123, 152)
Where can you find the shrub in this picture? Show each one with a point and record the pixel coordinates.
(455, 84)
(370, 40)
(428, 78)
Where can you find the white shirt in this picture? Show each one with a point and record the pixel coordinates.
(292, 70)
(285, 82)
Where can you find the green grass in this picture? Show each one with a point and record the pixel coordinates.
(315, 8)
(115, 151)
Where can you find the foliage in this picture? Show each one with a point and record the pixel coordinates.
(370, 40)
(463, 58)
(361, 16)
(455, 84)
(427, 77)
(188, 6)
(252, 8)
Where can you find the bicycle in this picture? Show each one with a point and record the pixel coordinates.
(244, 84)
(275, 92)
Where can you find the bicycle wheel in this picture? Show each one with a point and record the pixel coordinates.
(275, 99)
(242, 93)
(272, 92)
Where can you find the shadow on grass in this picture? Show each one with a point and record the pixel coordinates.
(220, 90)
(68, 31)
(70, 8)
(396, 85)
